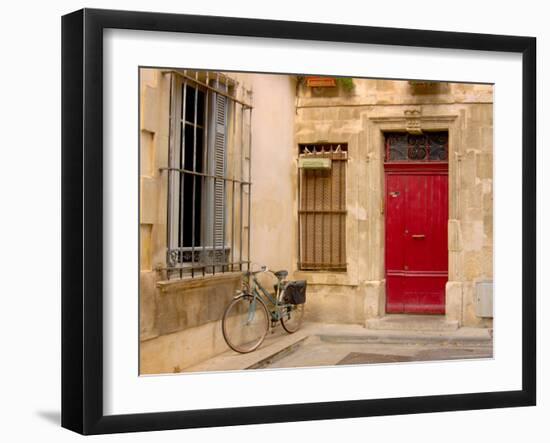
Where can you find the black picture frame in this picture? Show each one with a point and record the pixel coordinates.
(82, 219)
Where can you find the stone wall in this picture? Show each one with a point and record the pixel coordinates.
(154, 134)
(186, 322)
(359, 117)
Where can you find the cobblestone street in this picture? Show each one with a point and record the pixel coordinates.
(332, 345)
(316, 351)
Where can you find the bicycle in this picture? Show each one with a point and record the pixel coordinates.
(252, 312)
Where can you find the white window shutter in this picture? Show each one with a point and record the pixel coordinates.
(219, 156)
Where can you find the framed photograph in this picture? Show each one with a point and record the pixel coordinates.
(269, 221)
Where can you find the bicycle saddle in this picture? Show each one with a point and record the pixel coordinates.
(281, 274)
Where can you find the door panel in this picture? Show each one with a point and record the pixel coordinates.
(416, 239)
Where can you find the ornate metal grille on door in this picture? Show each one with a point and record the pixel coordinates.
(428, 147)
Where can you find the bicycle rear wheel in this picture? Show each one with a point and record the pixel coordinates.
(292, 317)
(245, 323)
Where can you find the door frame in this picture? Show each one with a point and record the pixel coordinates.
(397, 119)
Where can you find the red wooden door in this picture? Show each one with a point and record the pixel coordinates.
(416, 237)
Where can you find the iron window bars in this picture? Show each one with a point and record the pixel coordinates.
(209, 175)
(322, 209)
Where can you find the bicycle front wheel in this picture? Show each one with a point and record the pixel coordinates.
(245, 323)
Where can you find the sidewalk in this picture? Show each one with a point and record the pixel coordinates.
(319, 344)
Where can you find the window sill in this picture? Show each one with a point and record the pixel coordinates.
(329, 278)
(197, 282)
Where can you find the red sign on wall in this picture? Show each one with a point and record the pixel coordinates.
(321, 82)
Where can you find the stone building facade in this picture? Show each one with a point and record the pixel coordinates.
(272, 121)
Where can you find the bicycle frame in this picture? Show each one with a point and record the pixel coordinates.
(275, 312)
(274, 309)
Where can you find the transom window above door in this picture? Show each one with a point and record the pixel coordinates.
(427, 147)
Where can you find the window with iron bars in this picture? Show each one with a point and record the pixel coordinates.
(322, 209)
(208, 211)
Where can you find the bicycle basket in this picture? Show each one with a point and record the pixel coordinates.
(295, 292)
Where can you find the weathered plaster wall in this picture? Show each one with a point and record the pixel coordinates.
(274, 193)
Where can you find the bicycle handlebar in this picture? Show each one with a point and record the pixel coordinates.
(263, 268)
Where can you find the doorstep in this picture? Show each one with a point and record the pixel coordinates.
(406, 322)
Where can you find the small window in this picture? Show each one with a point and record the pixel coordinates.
(428, 147)
(322, 207)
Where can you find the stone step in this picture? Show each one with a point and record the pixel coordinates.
(402, 322)
(481, 338)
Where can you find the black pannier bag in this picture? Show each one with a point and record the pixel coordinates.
(295, 292)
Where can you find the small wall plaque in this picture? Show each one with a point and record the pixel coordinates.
(321, 82)
(314, 163)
